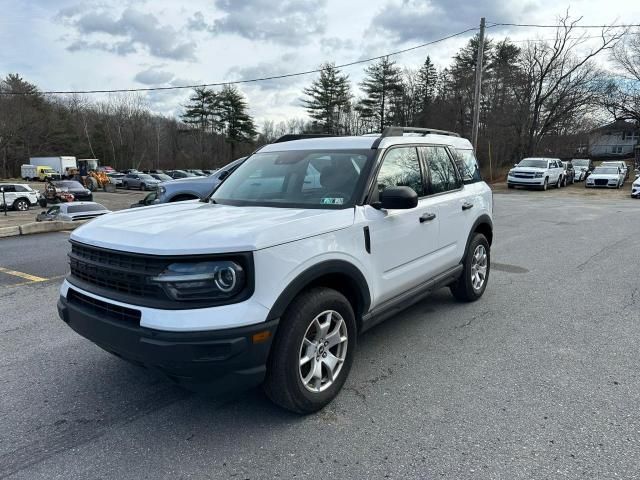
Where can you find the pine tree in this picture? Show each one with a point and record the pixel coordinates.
(426, 84)
(203, 110)
(238, 125)
(382, 86)
(329, 98)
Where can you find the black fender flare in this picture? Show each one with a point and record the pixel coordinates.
(313, 273)
(483, 219)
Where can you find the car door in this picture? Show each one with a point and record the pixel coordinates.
(453, 203)
(402, 240)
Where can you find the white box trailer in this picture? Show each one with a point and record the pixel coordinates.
(63, 165)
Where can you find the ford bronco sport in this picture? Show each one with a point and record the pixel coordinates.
(270, 279)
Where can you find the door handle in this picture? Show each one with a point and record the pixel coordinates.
(427, 217)
(467, 206)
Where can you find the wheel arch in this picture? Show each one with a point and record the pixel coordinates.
(483, 225)
(26, 199)
(339, 275)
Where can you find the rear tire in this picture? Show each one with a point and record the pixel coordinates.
(143, 187)
(475, 273)
(299, 368)
(126, 186)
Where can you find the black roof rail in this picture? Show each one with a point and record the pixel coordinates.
(400, 131)
(301, 136)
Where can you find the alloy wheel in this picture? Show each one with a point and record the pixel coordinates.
(323, 351)
(479, 263)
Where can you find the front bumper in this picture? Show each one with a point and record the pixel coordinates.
(525, 182)
(214, 360)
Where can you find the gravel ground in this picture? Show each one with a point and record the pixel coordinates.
(537, 380)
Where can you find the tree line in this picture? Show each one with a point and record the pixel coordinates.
(538, 97)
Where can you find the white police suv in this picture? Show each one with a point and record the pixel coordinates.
(270, 279)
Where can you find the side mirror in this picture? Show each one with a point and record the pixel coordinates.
(223, 175)
(515, 164)
(397, 198)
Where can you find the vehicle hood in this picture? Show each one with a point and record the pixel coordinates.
(193, 227)
(178, 181)
(603, 176)
(529, 169)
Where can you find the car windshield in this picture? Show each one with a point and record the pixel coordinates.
(69, 184)
(606, 170)
(298, 178)
(528, 162)
(85, 208)
(163, 177)
(144, 176)
(580, 163)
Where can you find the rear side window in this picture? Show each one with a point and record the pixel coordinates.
(401, 168)
(443, 175)
(8, 188)
(22, 188)
(467, 165)
(85, 208)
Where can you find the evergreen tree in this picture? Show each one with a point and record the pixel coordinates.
(329, 97)
(203, 110)
(426, 84)
(382, 86)
(238, 125)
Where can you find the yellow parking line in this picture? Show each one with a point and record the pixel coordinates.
(22, 284)
(26, 276)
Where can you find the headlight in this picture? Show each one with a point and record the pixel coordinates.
(511, 172)
(539, 174)
(215, 280)
(161, 190)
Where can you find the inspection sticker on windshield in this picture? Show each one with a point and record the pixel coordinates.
(332, 201)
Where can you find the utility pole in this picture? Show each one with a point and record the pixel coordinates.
(476, 98)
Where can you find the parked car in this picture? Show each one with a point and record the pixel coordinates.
(196, 172)
(624, 168)
(569, 176)
(80, 193)
(142, 181)
(305, 245)
(635, 187)
(163, 177)
(130, 170)
(71, 212)
(583, 168)
(179, 174)
(607, 176)
(18, 196)
(149, 199)
(194, 187)
(536, 172)
(210, 172)
(116, 178)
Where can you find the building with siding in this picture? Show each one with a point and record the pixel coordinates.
(618, 139)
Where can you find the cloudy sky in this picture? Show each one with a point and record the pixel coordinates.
(79, 45)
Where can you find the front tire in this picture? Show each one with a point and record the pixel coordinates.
(21, 205)
(545, 185)
(312, 352)
(143, 187)
(475, 273)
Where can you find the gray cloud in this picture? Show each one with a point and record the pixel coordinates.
(281, 66)
(131, 30)
(332, 44)
(419, 20)
(153, 76)
(287, 22)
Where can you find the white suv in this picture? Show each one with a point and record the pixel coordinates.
(537, 172)
(18, 196)
(308, 243)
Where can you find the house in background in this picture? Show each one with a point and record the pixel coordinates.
(618, 139)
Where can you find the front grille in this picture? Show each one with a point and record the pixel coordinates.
(601, 181)
(103, 309)
(117, 271)
(523, 175)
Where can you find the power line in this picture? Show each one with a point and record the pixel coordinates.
(534, 25)
(236, 82)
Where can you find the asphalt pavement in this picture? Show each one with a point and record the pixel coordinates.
(538, 379)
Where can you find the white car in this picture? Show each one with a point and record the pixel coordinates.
(72, 212)
(536, 172)
(607, 176)
(635, 187)
(582, 168)
(271, 278)
(624, 168)
(18, 196)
